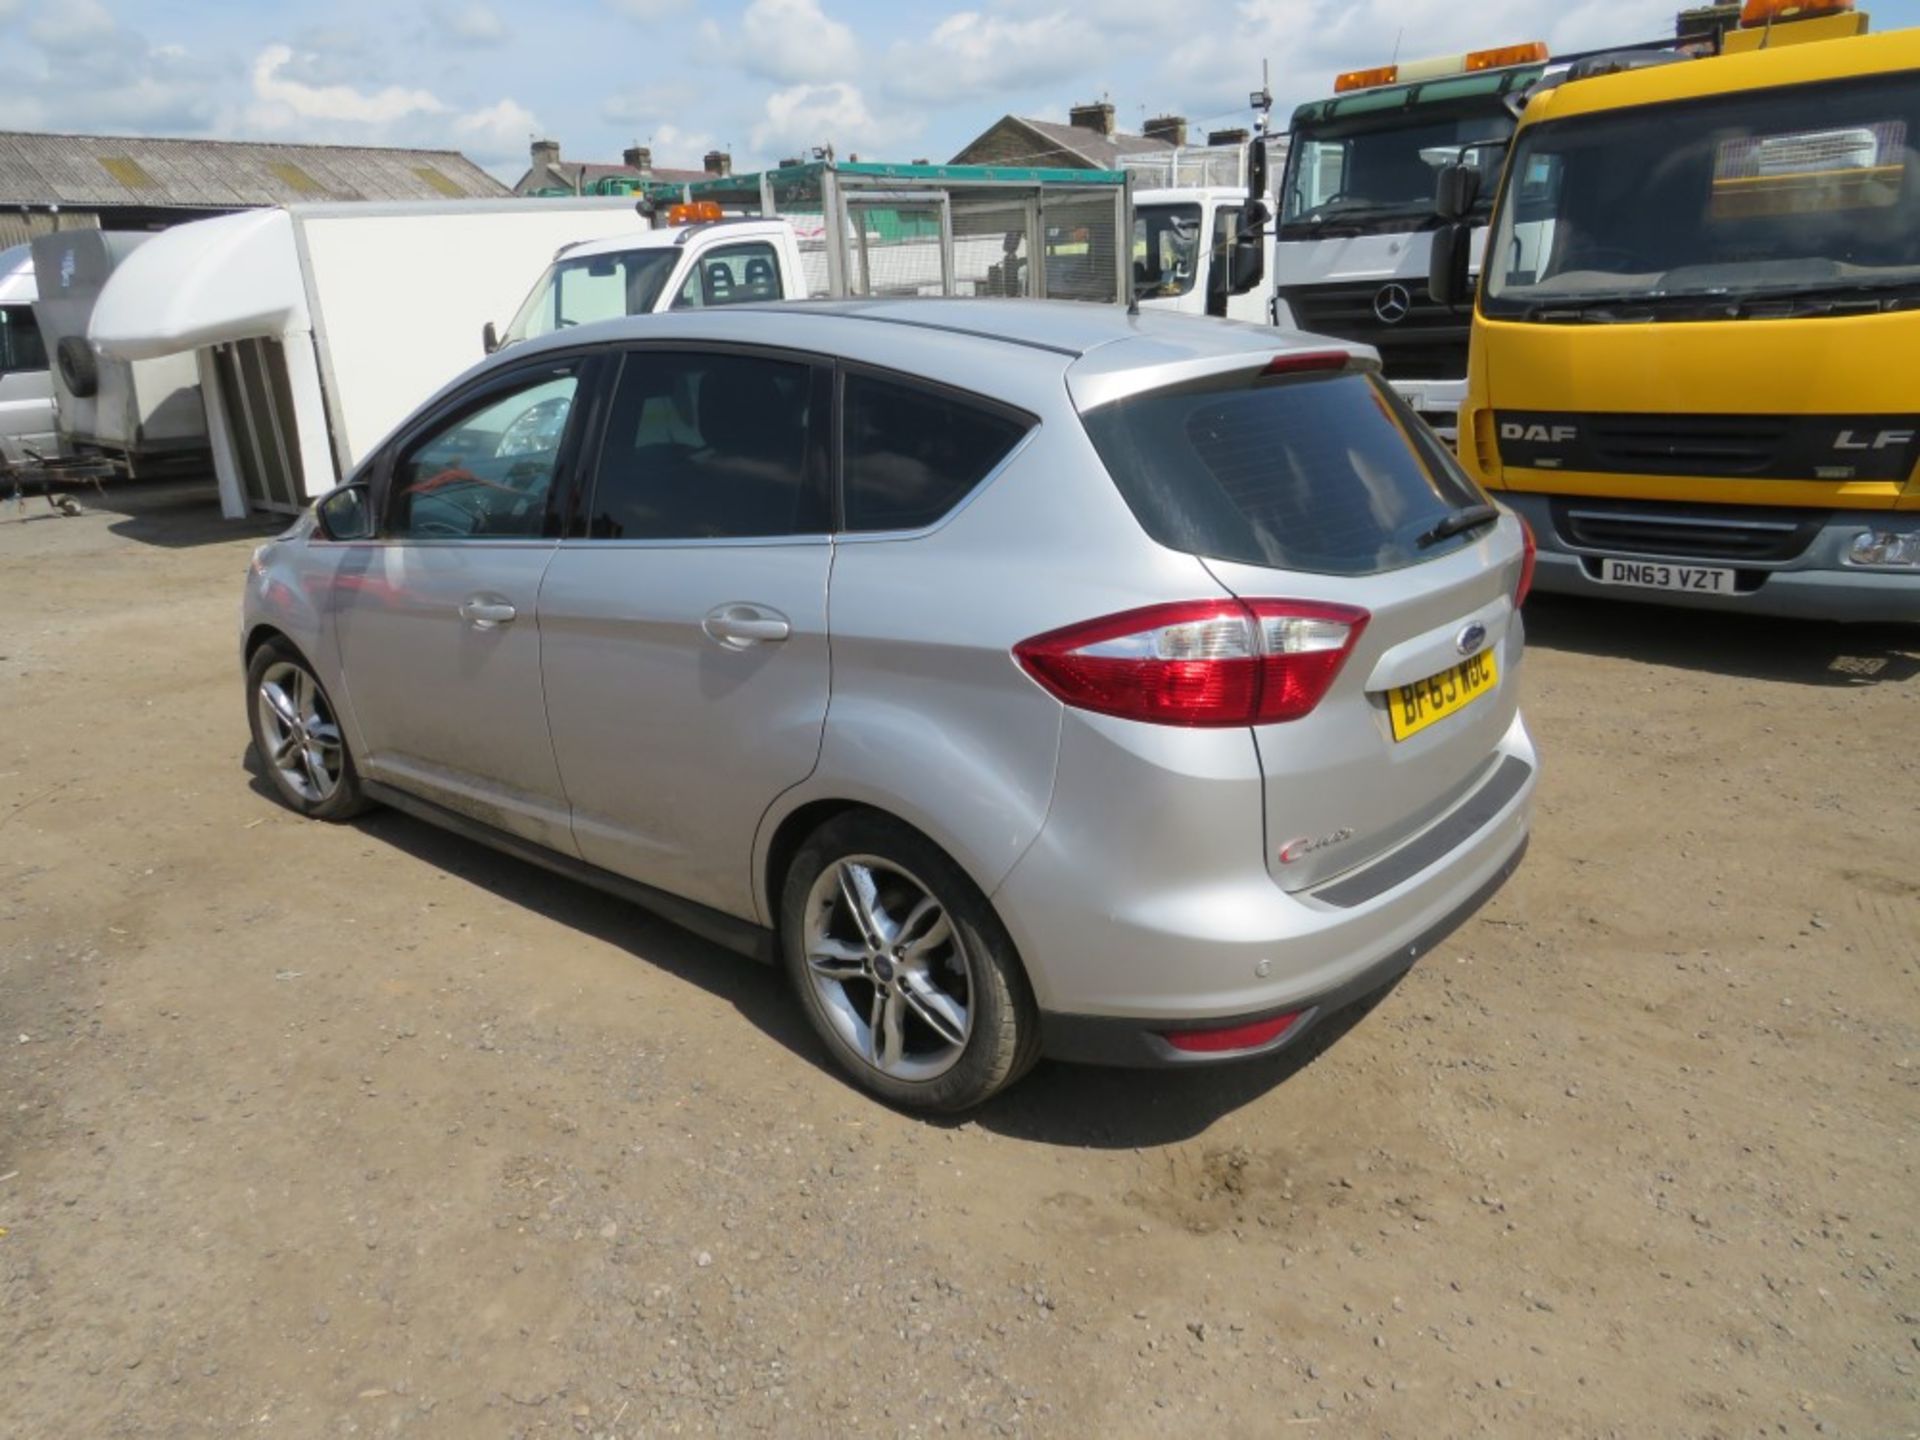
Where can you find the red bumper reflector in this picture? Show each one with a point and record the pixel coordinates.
(1239, 1037)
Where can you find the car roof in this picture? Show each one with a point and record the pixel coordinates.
(1028, 352)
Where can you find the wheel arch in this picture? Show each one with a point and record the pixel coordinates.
(784, 832)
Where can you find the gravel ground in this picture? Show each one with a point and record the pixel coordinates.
(311, 1130)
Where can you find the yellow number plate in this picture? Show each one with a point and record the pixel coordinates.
(1415, 707)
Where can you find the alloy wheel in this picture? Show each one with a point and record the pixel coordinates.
(302, 739)
(890, 970)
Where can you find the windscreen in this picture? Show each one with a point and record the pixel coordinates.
(1328, 473)
(594, 287)
(1374, 174)
(1166, 250)
(1809, 190)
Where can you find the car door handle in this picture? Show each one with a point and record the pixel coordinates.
(487, 614)
(737, 626)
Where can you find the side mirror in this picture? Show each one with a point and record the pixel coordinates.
(1447, 281)
(346, 514)
(1454, 192)
(1257, 168)
(489, 338)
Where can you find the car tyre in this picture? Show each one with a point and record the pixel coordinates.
(903, 967)
(297, 735)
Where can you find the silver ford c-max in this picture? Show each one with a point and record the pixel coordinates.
(1028, 678)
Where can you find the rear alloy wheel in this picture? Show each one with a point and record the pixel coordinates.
(903, 968)
(298, 737)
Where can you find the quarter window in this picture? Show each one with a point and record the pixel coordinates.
(732, 275)
(487, 475)
(710, 446)
(913, 454)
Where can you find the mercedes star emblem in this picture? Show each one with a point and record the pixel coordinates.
(1393, 304)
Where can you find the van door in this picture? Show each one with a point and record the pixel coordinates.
(684, 630)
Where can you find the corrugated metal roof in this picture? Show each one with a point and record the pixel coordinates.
(88, 170)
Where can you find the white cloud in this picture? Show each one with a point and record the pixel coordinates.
(1310, 41)
(73, 26)
(502, 128)
(785, 40)
(472, 25)
(807, 115)
(280, 101)
(971, 55)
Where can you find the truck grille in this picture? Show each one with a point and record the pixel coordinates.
(1686, 532)
(1687, 444)
(1429, 344)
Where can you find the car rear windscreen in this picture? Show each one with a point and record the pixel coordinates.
(1330, 473)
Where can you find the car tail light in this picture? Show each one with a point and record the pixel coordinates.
(1199, 663)
(1302, 361)
(1532, 549)
(1237, 1037)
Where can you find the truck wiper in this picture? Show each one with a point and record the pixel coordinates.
(1468, 517)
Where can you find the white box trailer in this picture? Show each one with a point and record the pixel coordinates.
(315, 329)
(142, 415)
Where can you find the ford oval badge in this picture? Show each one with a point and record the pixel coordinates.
(1470, 639)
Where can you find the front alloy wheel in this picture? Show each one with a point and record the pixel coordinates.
(302, 740)
(297, 735)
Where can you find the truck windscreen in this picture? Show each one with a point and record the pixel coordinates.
(1375, 174)
(1714, 209)
(594, 287)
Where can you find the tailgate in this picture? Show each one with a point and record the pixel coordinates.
(1340, 788)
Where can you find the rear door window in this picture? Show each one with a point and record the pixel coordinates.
(712, 445)
(732, 275)
(1329, 474)
(912, 453)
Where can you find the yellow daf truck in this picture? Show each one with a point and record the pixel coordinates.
(1695, 355)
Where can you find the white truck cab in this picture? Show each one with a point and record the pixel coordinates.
(677, 267)
(1183, 253)
(1357, 214)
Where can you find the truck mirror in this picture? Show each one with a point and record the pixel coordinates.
(1249, 264)
(1454, 192)
(1447, 282)
(489, 338)
(1257, 167)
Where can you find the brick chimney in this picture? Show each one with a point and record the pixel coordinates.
(718, 162)
(1097, 117)
(1170, 128)
(1228, 137)
(637, 157)
(545, 152)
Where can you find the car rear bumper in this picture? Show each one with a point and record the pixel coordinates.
(1815, 585)
(1133, 1043)
(1203, 938)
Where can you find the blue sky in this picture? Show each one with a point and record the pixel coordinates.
(761, 78)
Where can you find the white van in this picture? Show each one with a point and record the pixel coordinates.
(26, 385)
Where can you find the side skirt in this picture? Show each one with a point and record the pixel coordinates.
(741, 936)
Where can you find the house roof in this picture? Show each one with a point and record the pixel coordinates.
(1098, 151)
(580, 176)
(103, 170)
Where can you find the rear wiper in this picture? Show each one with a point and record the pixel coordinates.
(1469, 517)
